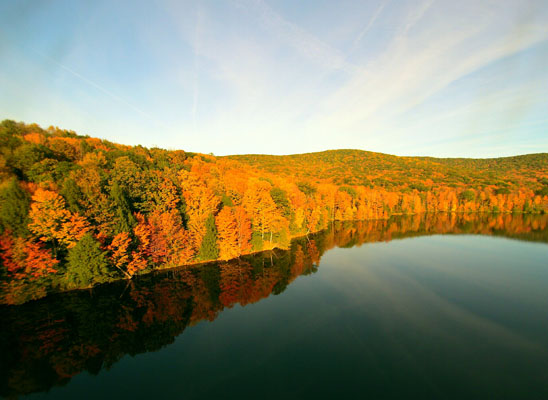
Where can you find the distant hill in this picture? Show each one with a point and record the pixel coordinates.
(358, 167)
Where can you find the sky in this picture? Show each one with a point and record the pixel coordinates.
(435, 78)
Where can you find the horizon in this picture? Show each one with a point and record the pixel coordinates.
(414, 79)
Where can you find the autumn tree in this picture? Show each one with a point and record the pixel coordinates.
(200, 203)
(25, 259)
(120, 255)
(168, 242)
(260, 206)
(47, 215)
(243, 230)
(227, 234)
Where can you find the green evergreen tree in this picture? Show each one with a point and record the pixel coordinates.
(14, 208)
(209, 249)
(26, 156)
(87, 263)
(9, 137)
(72, 194)
(124, 219)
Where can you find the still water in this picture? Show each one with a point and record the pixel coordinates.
(435, 306)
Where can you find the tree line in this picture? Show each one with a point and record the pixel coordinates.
(76, 211)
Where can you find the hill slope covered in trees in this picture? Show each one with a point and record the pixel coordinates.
(76, 211)
(357, 167)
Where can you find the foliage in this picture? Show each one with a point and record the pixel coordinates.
(14, 208)
(357, 167)
(142, 209)
(227, 234)
(87, 263)
(209, 249)
(124, 219)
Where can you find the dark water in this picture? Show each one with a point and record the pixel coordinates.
(456, 307)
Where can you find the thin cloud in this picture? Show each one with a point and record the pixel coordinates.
(411, 70)
(285, 78)
(305, 43)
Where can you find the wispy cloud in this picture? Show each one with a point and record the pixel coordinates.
(416, 66)
(305, 43)
(284, 77)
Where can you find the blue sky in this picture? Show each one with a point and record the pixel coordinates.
(438, 78)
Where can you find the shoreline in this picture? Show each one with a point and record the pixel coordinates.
(159, 269)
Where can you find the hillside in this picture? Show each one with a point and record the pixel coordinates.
(77, 211)
(357, 167)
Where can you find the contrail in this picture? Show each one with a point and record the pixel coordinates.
(369, 24)
(100, 88)
(195, 76)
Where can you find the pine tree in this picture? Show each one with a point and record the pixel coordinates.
(87, 263)
(124, 219)
(14, 208)
(209, 249)
(72, 194)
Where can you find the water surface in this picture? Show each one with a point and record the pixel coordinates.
(435, 306)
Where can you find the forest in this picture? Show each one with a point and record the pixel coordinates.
(78, 211)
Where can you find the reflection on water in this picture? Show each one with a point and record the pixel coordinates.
(414, 317)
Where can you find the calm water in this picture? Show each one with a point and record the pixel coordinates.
(431, 307)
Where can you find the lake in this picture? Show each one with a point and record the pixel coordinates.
(430, 306)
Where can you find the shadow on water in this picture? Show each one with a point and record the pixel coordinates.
(47, 342)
